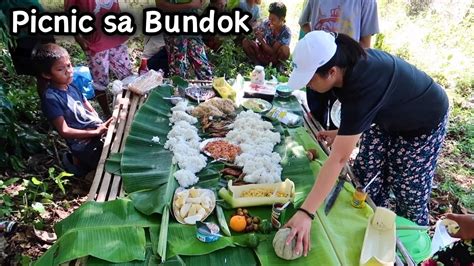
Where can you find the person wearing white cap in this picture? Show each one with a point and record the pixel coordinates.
(358, 19)
(397, 111)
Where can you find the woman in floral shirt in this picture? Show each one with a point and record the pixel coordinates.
(272, 39)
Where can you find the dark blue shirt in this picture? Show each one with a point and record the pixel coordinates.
(386, 90)
(70, 105)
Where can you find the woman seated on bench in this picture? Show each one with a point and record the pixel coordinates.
(272, 39)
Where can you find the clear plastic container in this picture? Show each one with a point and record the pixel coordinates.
(258, 75)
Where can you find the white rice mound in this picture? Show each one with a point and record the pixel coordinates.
(182, 106)
(184, 142)
(254, 136)
(185, 178)
(182, 116)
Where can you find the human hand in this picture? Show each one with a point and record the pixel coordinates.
(259, 34)
(300, 225)
(466, 225)
(327, 135)
(102, 128)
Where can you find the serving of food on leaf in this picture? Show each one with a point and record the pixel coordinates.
(192, 205)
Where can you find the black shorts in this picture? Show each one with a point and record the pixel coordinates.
(21, 53)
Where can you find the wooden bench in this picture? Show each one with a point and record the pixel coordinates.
(106, 186)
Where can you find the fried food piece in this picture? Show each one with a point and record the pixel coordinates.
(231, 171)
(222, 149)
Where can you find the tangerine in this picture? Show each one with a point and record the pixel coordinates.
(238, 223)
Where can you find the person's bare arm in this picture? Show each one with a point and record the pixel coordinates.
(89, 107)
(276, 46)
(365, 41)
(72, 133)
(82, 42)
(306, 28)
(170, 7)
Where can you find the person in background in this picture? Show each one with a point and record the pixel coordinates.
(357, 19)
(460, 252)
(272, 39)
(252, 7)
(214, 41)
(154, 52)
(104, 53)
(25, 42)
(186, 50)
(385, 103)
(69, 111)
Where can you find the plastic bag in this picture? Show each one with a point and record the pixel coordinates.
(282, 115)
(146, 82)
(82, 79)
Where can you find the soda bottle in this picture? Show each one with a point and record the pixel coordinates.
(143, 67)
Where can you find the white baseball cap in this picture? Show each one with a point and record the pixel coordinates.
(313, 51)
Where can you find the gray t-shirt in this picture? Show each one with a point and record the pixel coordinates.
(356, 18)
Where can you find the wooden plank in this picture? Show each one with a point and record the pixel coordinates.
(122, 192)
(131, 114)
(107, 178)
(117, 189)
(114, 189)
(105, 152)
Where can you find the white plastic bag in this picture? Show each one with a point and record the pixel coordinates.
(441, 238)
(146, 82)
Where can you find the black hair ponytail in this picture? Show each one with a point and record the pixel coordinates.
(348, 53)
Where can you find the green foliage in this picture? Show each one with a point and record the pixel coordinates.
(4, 32)
(59, 179)
(20, 119)
(17, 119)
(230, 60)
(437, 38)
(6, 206)
(28, 196)
(462, 129)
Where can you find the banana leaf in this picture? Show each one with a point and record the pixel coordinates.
(147, 170)
(148, 180)
(113, 231)
(146, 167)
(112, 164)
(227, 256)
(336, 239)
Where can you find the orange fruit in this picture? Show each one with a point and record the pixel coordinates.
(238, 223)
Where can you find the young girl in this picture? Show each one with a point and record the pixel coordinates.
(67, 109)
(400, 110)
(104, 52)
